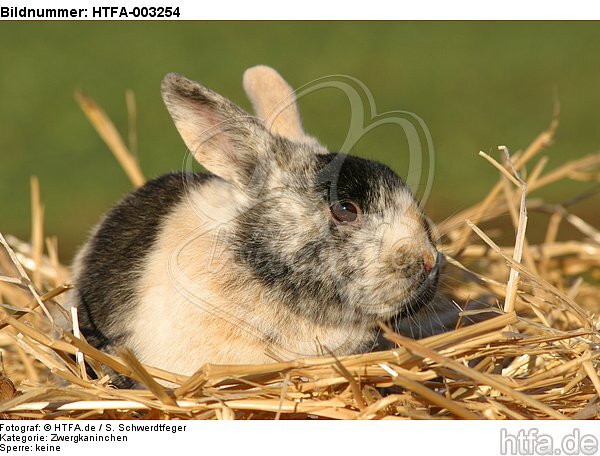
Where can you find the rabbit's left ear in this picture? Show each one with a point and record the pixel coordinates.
(274, 102)
(224, 138)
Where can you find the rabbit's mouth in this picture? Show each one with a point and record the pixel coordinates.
(413, 294)
(423, 293)
(421, 297)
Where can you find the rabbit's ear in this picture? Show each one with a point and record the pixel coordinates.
(274, 102)
(224, 138)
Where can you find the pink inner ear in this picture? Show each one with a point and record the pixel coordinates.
(200, 128)
(205, 135)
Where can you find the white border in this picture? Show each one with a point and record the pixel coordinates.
(346, 10)
(473, 438)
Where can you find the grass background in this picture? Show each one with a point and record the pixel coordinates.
(476, 85)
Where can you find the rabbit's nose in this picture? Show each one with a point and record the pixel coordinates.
(427, 265)
(432, 263)
(409, 263)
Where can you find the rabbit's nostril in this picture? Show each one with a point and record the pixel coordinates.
(429, 262)
(427, 266)
(413, 264)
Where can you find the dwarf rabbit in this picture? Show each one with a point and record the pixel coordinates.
(281, 249)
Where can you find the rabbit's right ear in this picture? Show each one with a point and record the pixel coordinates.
(274, 102)
(224, 138)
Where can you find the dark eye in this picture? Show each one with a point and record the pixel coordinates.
(345, 212)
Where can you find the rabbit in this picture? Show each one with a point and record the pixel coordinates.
(281, 249)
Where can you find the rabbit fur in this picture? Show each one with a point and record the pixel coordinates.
(246, 262)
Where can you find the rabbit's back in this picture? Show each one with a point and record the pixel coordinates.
(112, 262)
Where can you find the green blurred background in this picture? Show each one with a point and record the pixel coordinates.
(476, 85)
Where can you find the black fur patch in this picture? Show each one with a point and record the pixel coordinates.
(257, 242)
(367, 183)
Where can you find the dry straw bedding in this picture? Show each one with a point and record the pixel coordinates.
(534, 356)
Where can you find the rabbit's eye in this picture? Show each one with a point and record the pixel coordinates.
(345, 213)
